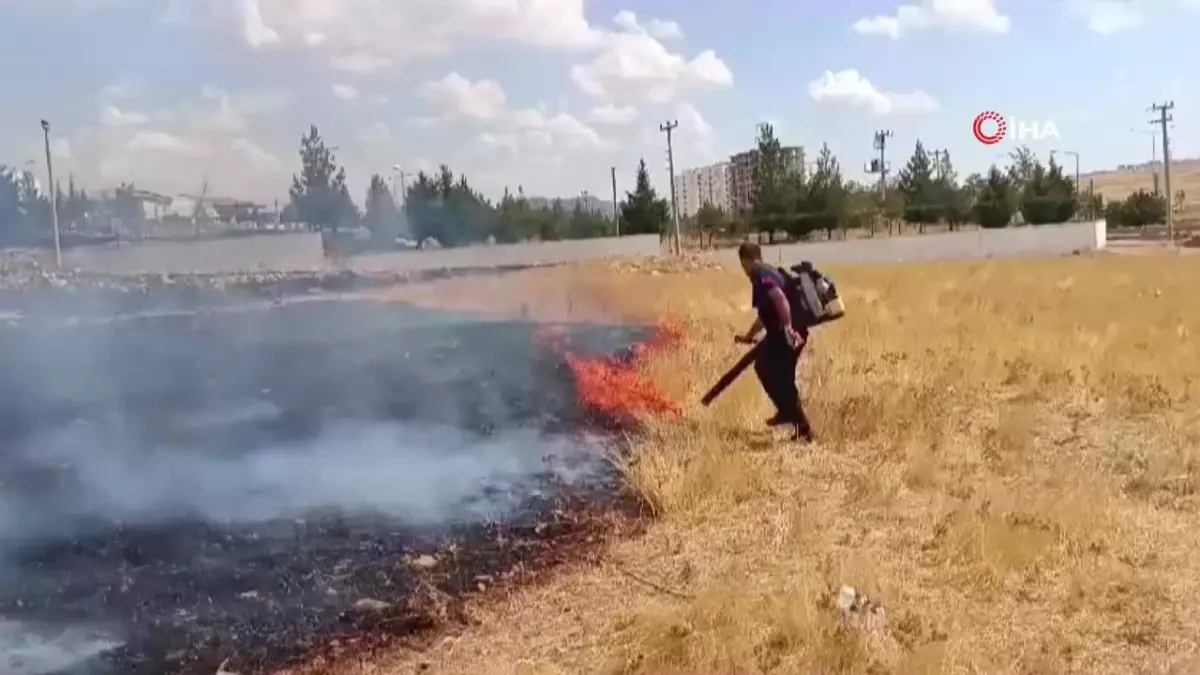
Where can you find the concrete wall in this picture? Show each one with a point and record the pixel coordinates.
(970, 245)
(498, 255)
(299, 251)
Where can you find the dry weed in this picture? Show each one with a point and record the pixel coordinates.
(1008, 461)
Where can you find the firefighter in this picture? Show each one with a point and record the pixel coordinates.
(775, 363)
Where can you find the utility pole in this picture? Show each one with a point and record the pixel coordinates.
(1164, 117)
(53, 195)
(616, 210)
(880, 165)
(668, 127)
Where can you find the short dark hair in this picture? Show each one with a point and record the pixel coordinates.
(750, 251)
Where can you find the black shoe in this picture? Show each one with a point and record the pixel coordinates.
(780, 419)
(803, 435)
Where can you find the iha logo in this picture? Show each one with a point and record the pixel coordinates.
(990, 128)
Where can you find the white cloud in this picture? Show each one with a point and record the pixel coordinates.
(255, 31)
(345, 92)
(633, 66)
(123, 88)
(454, 96)
(169, 146)
(376, 133)
(849, 87)
(368, 35)
(60, 148)
(504, 142)
(1109, 17)
(255, 154)
(361, 63)
(695, 136)
(691, 121)
(663, 29)
(161, 141)
(112, 116)
(613, 115)
(975, 16)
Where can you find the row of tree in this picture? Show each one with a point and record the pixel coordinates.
(792, 200)
(439, 206)
(26, 216)
(788, 199)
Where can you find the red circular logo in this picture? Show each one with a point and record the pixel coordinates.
(982, 135)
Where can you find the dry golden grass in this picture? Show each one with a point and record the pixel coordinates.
(1009, 462)
(1117, 185)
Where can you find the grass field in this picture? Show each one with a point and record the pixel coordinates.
(1009, 465)
(1185, 175)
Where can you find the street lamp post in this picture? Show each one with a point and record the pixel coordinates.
(398, 171)
(53, 195)
(1072, 153)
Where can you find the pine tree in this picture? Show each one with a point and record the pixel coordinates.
(916, 184)
(380, 215)
(774, 199)
(824, 194)
(643, 212)
(319, 192)
(995, 199)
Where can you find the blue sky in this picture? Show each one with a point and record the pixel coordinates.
(549, 94)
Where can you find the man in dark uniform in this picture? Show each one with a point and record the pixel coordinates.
(776, 362)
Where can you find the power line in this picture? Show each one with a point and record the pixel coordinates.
(880, 165)
(1164, 117)
(669, 127)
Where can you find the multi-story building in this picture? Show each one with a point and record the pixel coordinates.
(706, 185)
(741, 175)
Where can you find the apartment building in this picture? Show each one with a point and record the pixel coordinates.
(706, 185)
(740, 175)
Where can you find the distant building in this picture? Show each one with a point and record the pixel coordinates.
(705, 185)
(742, 180)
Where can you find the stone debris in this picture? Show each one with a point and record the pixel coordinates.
(372, 605)
(860, 611)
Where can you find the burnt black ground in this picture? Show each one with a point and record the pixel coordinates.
(184, 582)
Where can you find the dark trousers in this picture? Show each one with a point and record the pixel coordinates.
(775, 366)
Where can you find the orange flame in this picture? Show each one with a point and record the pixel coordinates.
(613, 390)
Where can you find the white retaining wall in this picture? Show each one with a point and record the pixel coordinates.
(970, 245)
(501, 255)
(288, 252)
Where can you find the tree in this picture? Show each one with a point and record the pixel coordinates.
(916, 182)
(995, 200)
(860, 208)
(1046, 195)
(643, 212)
(774, 199)
(319, 192)
(449, 210)
(1022, 165)
(11, 215)
(585, 224)
(381, 216)
(822, 196)
(710, 220)
(949, 195)
(1138, 210)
